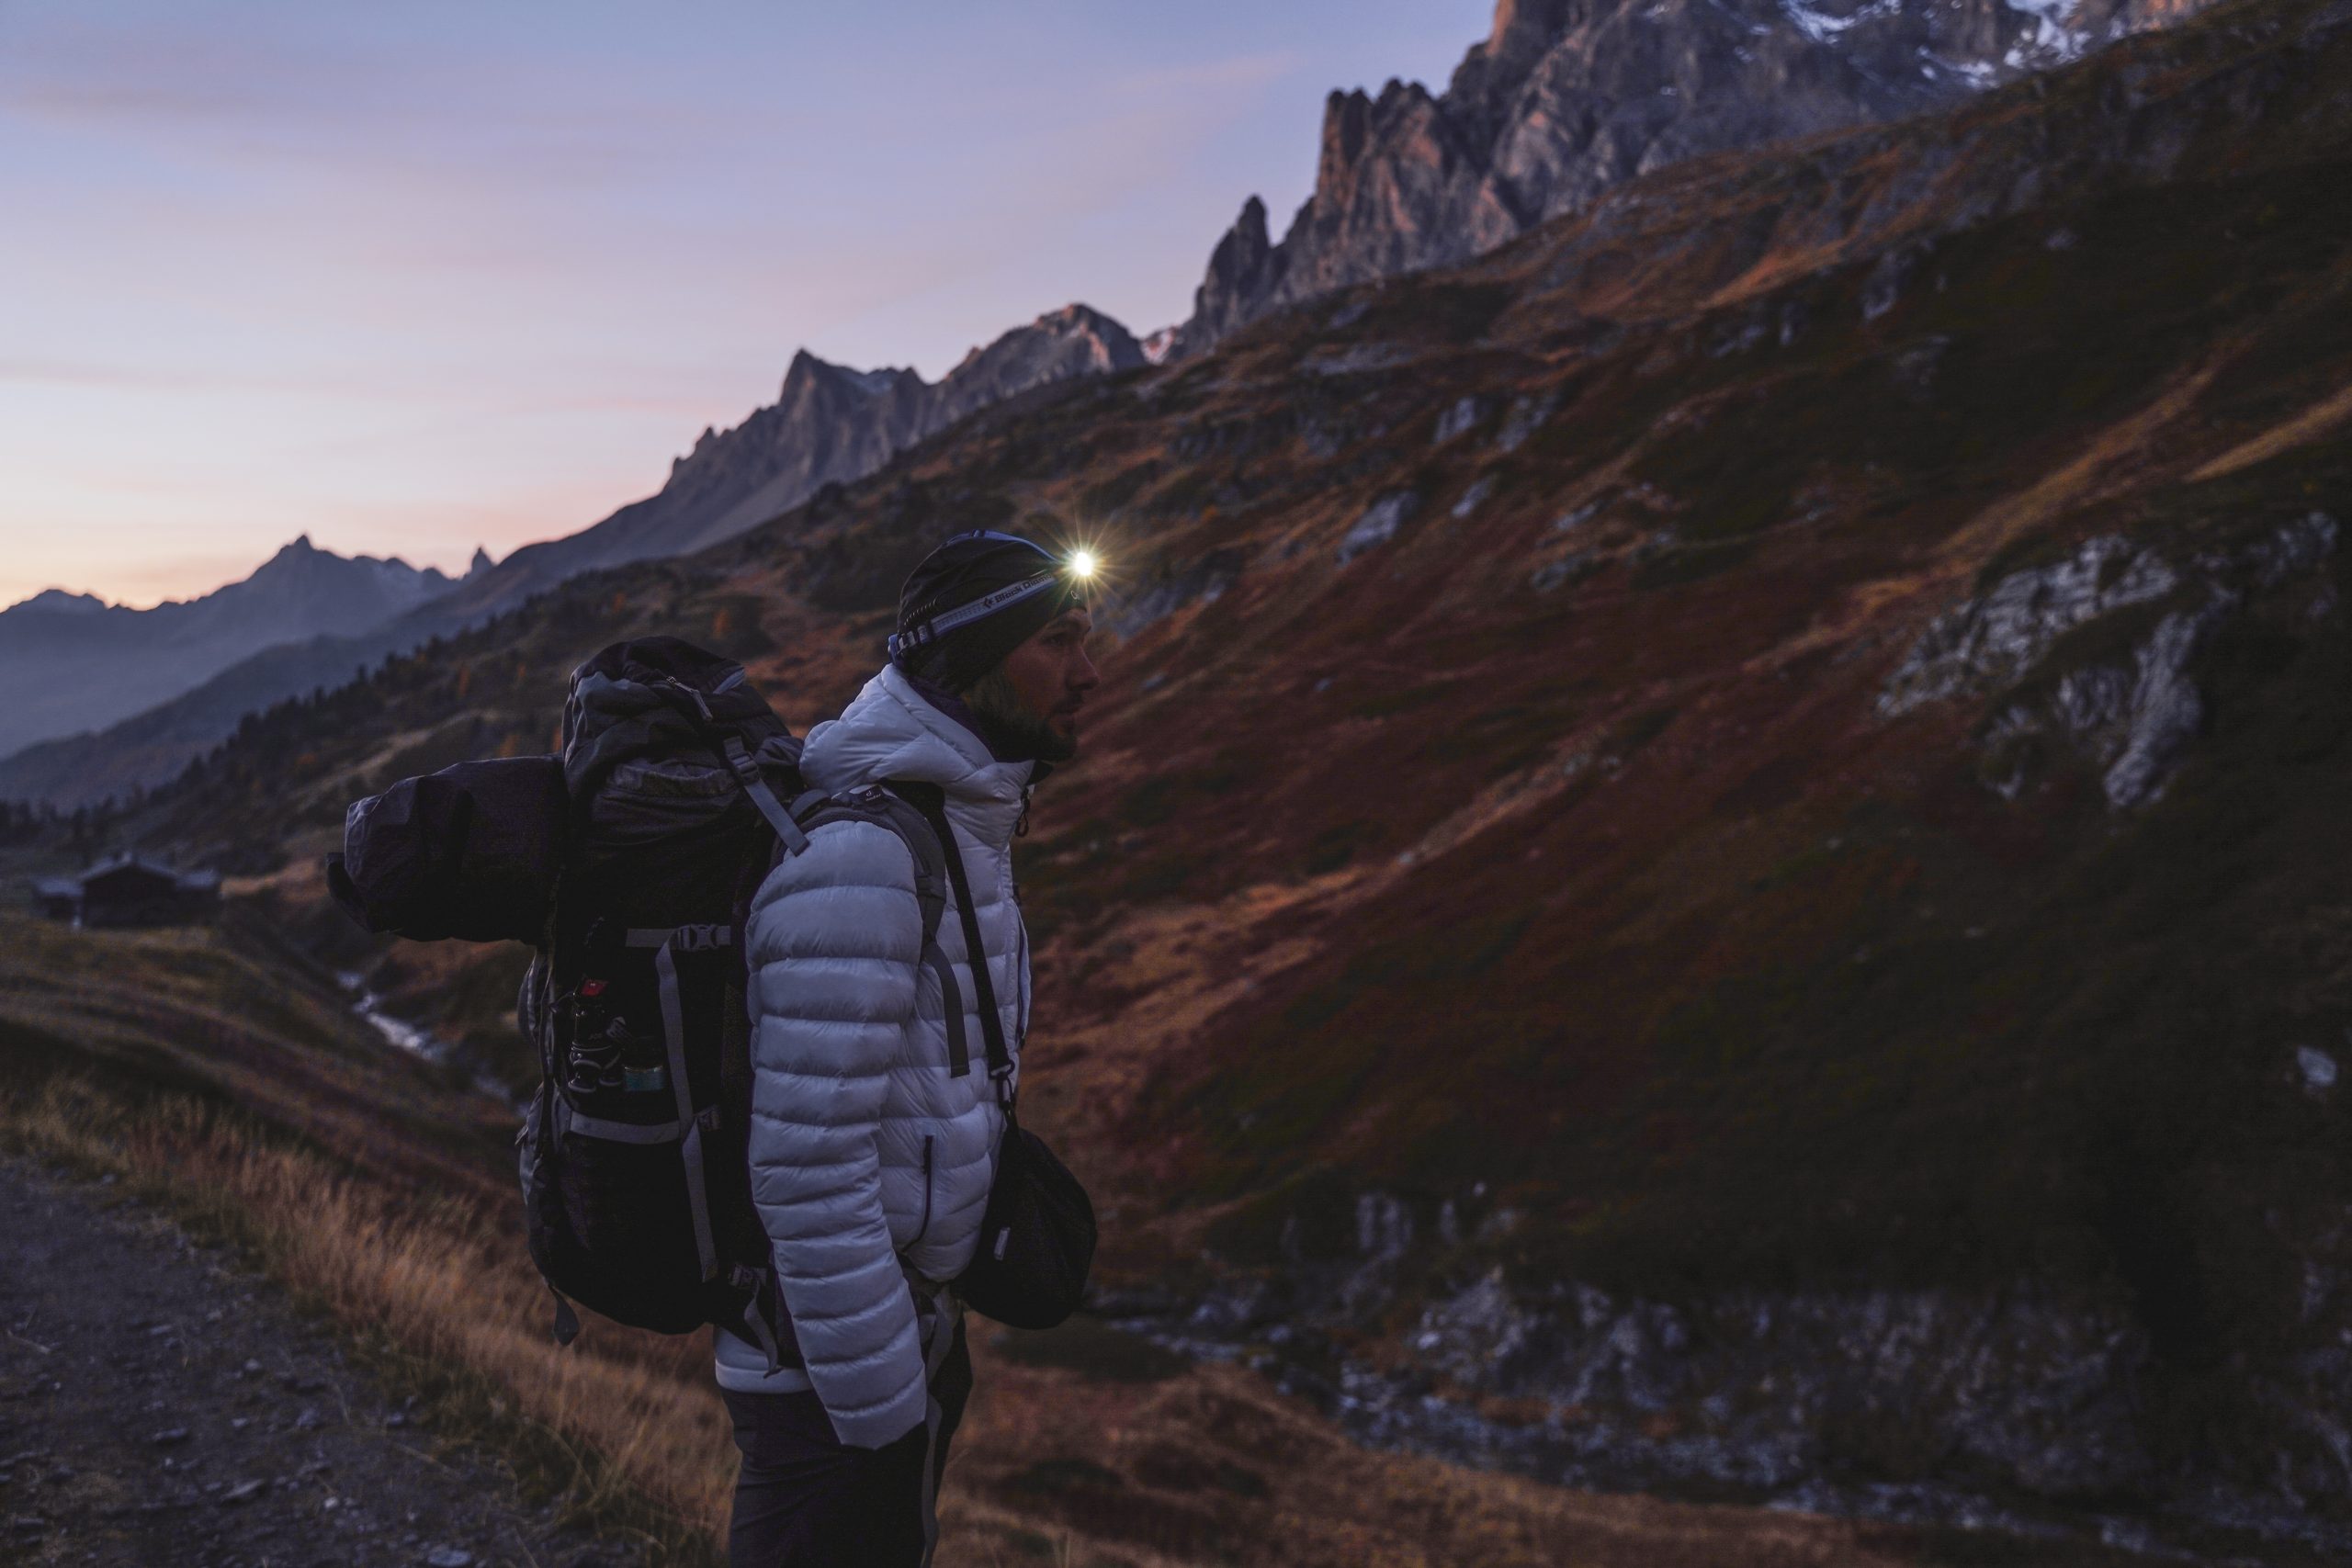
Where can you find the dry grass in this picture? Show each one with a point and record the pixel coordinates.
(2319, 421)
(1208, 1466)
(628, 1430)
(207, 1074)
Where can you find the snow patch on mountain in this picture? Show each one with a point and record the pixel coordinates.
(1823, 26)
(2051, 41)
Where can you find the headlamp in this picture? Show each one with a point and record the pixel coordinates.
(1067, 579)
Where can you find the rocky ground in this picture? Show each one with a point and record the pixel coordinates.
(159, 1406)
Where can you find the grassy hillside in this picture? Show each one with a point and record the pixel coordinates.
(1505, 797)
(212, 1072)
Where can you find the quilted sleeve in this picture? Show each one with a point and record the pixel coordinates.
(834, 947)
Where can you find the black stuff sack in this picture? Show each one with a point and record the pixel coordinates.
(469, 853)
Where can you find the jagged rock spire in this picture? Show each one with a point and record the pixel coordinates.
(1565, 99)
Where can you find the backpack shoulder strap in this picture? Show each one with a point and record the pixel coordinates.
(816, 809)
(935, 871)
(932, 802)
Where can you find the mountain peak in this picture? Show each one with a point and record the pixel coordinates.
(1244, 270)
(1077, 316)
(480, 563)
(60, 602)
(806, 367)
(1519, 24)
(1041, 351)
(297, 561)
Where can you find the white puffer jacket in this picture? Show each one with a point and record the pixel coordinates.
(866, 1149)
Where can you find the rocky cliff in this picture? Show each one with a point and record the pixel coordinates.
(1567, 98)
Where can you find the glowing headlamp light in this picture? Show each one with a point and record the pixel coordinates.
(1079, 570)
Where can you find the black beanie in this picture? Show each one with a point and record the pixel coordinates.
(974, 600)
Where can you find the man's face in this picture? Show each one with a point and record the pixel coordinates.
(1035, 695)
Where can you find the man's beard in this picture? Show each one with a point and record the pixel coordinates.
(1015, 731)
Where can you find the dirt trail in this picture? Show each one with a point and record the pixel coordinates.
(160, 1406)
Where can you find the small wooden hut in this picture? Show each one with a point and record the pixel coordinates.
(131, 891)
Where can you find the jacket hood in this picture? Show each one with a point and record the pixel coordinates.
(890, 731)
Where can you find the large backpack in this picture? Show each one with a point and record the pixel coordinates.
(629, 861)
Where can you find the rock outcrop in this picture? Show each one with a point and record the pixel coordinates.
(1566, 99)
(2131, 714)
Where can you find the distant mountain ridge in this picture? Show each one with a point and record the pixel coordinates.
(829, 424)
(75, 663)
(1566, 99)
(57, 601)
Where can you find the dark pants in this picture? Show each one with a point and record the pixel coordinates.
(803, 1500)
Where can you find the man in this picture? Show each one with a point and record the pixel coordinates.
(871, 1149)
